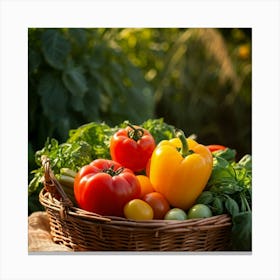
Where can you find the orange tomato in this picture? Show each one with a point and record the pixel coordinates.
(159, 204)
(145, 184)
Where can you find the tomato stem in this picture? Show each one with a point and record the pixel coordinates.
(113, 172)
(135, 133)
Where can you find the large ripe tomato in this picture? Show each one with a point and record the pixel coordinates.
(104, 187)
(137, 209)
(159, 204)
(132, 147)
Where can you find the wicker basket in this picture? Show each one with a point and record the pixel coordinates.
(86, 231)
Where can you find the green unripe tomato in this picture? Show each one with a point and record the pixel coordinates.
(175, 214)
(199, 211)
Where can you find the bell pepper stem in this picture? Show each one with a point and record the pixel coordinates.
(185, 147)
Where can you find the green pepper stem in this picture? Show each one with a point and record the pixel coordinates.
(185, 147)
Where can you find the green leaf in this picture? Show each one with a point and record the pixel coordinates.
(242, 203)
(205, 197)
(226, 187)
(53, 96)
(36, 181)
(77, 103)
(95, 134)
(231, 206)
(241, 234)
(92, 103)
(159, 129)
(220, 163)
(79, 35)
(75, 81)
(217, 206)
(63, 126)
(246, 161)
(222, 171)
(55, 48)
(227, 154)
(34, 60)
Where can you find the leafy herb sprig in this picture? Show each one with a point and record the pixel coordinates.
(86, 143)
(229, 190)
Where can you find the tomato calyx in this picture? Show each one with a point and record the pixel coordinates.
(135, 133)
(113, 172)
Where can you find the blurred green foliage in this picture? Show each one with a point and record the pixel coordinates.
(77, 76)
(198, 80)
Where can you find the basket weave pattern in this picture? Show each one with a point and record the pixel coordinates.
(85, 231)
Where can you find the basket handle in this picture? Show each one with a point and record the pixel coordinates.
(52, 185)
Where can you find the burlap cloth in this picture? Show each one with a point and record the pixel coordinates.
(39, 237)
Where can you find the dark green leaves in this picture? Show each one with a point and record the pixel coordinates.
(75, 81)
(217, 206)
(53, 96)
(78, 35)
(229, 190)
(205, 198)
(242, 232)
(231, 206)
(79, 75)
(159, 129)
(34, 60)
(55, 48)
(227, 154)
(222, 171)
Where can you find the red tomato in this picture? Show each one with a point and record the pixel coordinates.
(104, 187)
(214, 147)
(132, 147)
(159, 204)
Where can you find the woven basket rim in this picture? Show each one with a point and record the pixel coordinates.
(48, 201)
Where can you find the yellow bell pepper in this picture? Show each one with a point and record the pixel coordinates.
(180, 169)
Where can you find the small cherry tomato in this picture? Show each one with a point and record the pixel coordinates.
(175, 214)
(159, 204)
(137, 209)
(199, 211)
(145, 184)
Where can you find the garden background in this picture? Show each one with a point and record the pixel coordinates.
(197, 79)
